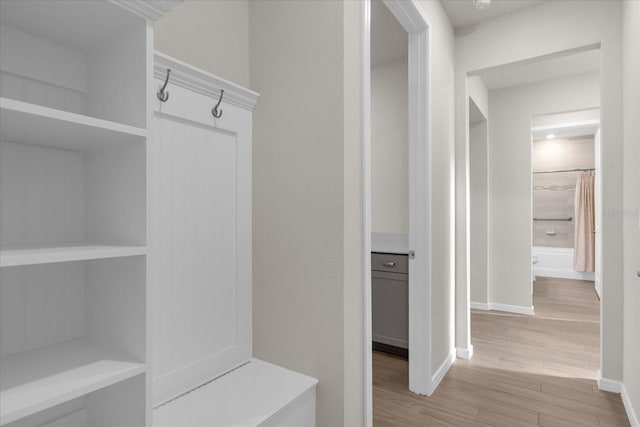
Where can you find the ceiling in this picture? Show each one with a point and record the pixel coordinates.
(529, 72)
(565, 133)
(389, 40)
(463, 13)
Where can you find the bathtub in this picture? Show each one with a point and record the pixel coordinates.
(557, 262)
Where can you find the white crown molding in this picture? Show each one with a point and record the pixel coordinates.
(200, 81)
(148, 9)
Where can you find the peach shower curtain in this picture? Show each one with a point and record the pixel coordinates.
(584, 246)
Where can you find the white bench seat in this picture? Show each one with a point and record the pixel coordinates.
(255, 394)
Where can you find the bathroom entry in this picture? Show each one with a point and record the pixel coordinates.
(566, 195)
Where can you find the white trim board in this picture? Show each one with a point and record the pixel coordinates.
(605, 384)
(199, 81)
(441, 372)
(628, 406)
(480, 305)
(518, 309)
(563, 274)
(464, 353)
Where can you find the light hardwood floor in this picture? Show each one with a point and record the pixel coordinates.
(526, 371)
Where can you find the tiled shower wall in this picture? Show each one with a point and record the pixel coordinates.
(554, 193)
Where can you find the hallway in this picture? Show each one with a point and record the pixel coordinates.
(526, 371)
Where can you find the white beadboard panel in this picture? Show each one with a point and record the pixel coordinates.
(115, 309)
(13, 86)
(199, 241)
(41, 60)
(41, 196)
(67, 412)
(40, 305)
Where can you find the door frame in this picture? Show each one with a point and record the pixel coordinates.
(411, 16)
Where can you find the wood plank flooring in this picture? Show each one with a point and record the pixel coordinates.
(526, 370)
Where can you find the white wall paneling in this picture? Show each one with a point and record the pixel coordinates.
(200, 230)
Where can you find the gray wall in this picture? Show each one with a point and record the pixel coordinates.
(632, 202)
(554, 194)
(442, 222)
(389, 147)
(479, 204)
(307, 208)
(212, 35)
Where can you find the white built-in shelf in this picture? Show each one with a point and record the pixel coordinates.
(42, 378)
(21, 122)
(46, 255)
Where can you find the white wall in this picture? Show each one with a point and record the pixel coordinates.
(389, 147)
(510, 176)
(631, 78)
(307, 205)
(479, 203)
(558, 26)
(442, 223)
(212, 35)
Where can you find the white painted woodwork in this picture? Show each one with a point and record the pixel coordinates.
(200, 236)
(200, 264)
(256, 394)
(42, 378)
(74, 109)
(36, 125)
(30, 256)
(41, 305)
(598, 213)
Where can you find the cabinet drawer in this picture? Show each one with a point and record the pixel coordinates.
(390, 262)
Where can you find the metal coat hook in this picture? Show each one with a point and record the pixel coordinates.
(162, 95)
(217, 114)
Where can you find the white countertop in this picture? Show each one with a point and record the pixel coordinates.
(390, 243)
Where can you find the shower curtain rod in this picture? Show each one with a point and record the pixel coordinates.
(566, 170)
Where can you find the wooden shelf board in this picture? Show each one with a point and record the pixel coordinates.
(25, 123)
(38, 379)
(46, 255)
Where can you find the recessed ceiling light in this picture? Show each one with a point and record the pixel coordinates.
(481, 4)
(551, 136)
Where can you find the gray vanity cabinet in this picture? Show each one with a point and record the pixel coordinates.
(390, 302)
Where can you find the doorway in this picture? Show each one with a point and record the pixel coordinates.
(418, 235)
(512, 94)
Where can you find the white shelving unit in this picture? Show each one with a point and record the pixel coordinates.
(75, 84)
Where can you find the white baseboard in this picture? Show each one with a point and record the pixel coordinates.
(605, 384)
(441, 372)
(464, 353)
(628, 406)
(563, 274)
(519, 309)
(480, 306)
